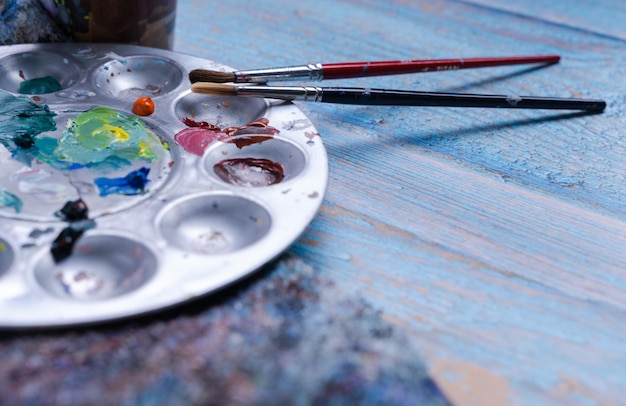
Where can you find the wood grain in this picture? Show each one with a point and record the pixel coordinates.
(602, 17)
(494, 239)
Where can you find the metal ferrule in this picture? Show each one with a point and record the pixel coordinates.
(302, 93)
(311, 72)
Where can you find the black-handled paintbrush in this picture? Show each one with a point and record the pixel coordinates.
(381, 97)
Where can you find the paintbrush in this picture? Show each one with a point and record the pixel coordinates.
(345, 70)
(382, 97)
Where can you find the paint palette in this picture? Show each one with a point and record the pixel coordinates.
(105, 214)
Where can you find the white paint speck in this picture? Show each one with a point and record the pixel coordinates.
(513, 100)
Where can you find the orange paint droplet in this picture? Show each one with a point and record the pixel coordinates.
(144, 106)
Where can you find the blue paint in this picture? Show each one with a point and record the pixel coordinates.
(21, 121)
(8, 199)
(46, 84)
(132, 184)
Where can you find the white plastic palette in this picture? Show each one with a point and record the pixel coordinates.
(188, 233)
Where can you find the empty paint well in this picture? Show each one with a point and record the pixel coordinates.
(137, 76)
(277, 150)
(44, 67)
(101, 266)
(222, 111)
(213, 223)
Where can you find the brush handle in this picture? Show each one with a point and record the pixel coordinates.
(362, 69)
(345, 70)
(410, 98)
(381, 97)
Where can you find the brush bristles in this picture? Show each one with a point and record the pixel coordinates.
(203, 75)
(216, 89)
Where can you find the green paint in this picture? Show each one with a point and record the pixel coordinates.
(46, 84)
(8, 199)
(101, 138)
(21, 121)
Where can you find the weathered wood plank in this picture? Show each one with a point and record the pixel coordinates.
(601, 17)
(578, 158)
(507, 306)
(494, 238)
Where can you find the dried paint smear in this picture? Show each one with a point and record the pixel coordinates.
(46, 84)
(132, 184)
(249, 172)
(21, 121)
(102, 139)
(8, 199)
(200, 134)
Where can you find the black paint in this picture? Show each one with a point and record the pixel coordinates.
(63, 245)
(74, 210)
(76, 213)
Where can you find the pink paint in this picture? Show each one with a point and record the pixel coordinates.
(196, 139)
(201, 134)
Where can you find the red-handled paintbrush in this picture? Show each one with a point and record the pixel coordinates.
(345, 70)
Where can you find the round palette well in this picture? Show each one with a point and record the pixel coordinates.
(105, 214)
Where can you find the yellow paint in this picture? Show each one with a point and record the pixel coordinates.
(119, 134)
(145, 151)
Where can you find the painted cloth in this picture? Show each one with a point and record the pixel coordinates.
(26, 21)
(285, 336)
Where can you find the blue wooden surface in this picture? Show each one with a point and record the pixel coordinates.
(495, 239)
